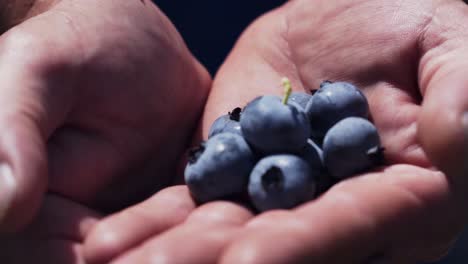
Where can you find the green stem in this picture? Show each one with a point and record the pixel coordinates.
(287, 89)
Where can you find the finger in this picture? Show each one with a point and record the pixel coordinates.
(35, 93)
(393, 215)
(55, 235)
(443, 124)
(120, 232)
(202, 237)
(61, 218)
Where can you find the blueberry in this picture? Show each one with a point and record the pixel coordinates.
(324, 83)
(227, 123)
(300, 98)
(219, 167)
(332, 103)
(273, 127)
(281, 182)
(313, 154)
(351, 146)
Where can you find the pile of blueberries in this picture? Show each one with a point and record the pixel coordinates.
(286, 151)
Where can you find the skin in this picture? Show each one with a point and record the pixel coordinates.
(13, 12)
(410, 58)
(85, 99)
(60, 242)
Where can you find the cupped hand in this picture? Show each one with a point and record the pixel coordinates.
(410, 59)
(99, 99)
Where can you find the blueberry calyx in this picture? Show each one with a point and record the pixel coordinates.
(196, 152)
(273, 179)
(287, 89)
(376, 155)
(235, 114)
(326, 82)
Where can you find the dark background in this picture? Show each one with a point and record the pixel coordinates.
(210, 29)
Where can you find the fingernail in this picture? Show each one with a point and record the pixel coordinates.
(7, 189)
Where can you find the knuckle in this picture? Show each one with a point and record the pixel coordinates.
(271, 218)
(220, 213)
(104, 238)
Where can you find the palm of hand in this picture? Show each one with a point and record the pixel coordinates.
(395, 51)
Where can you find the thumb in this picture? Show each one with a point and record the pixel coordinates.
(36, 71)
(254, 67)
(443, 123)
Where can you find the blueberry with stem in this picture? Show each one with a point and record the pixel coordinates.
(272, 125)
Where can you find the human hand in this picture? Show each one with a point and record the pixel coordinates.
(410, 60)
(55, 236)
(99, 99)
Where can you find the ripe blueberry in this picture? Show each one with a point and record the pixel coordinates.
(273, 127)
(219, 167)
(227, 123)
(313, 154)
(281, 181)
(300, 98)
(351, 146)
(332, 103)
